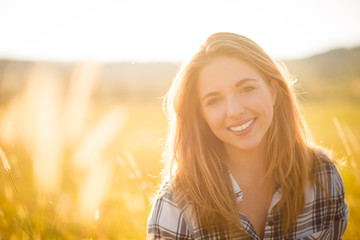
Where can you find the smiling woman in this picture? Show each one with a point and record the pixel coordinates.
(240, 161)
(236, 101)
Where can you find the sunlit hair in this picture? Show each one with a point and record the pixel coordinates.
(195, 155)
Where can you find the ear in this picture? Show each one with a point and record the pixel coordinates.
(274, 88)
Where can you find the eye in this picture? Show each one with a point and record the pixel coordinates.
(247, 89)
(213, 101)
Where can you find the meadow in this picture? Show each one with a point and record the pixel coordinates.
(84, 166)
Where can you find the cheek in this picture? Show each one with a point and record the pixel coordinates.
(213, 118)
(269, 112)
(265, 104)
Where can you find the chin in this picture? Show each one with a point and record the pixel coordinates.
(246, 146)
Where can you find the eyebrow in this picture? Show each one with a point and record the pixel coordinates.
(237, 84)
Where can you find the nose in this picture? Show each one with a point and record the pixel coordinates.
(234, 107)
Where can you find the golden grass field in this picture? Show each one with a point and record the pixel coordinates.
(82, 168)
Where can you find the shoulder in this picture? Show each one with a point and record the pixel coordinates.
(332, 188)
(167, 219)
(329, 176)
(325, 212)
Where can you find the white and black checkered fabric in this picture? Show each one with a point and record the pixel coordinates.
(320, 219)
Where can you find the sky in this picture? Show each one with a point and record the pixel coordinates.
(170, 30)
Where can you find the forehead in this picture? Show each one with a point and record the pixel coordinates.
(226, 71)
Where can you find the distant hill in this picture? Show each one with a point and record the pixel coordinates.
(150, 79)
(333, 73)
(335, 65)
(319, 75)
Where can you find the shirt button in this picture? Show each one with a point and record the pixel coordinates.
(271, 222)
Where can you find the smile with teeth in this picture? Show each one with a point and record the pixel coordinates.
(242, 127)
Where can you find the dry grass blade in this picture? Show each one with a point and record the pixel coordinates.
(7, 168)
(4, 160)
(346, 136)
(352, 139)
(15, 220)
(133, 164)
(342, 136)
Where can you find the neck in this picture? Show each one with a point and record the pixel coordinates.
(249, 165)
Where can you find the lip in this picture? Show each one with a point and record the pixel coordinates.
(239, 123)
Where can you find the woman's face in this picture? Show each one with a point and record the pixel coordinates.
(236, 102)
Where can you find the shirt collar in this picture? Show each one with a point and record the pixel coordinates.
(237, 190)
(240, 195)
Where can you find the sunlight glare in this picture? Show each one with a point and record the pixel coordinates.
(41, 111)
(96, 139)
(93, 190)
(171, 30)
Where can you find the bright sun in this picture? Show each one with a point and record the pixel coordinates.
(170, 30)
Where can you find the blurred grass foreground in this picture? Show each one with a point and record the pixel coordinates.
(81, 143)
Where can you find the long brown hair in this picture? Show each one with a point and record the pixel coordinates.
(195, 155)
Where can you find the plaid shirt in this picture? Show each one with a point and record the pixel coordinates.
(319, 219)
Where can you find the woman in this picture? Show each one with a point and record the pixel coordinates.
(241, 165)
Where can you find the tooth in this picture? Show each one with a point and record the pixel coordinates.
(242, 127)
